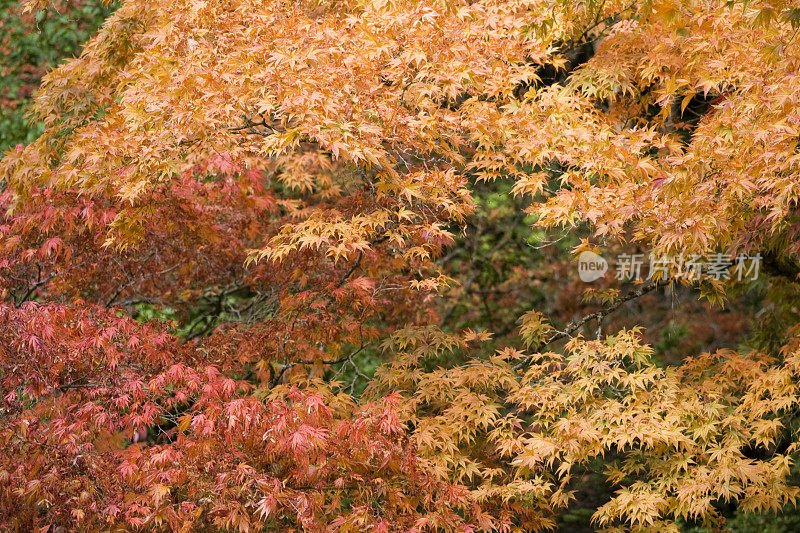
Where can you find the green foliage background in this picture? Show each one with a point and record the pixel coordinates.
(32, 43)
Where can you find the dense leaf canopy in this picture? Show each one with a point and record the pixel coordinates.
(306, 265)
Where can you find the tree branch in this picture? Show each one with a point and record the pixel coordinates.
(573, 326)
(344, 359)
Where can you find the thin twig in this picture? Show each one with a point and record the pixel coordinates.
(344, 359)
(572, 327)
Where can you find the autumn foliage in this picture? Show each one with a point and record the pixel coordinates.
(306, 266)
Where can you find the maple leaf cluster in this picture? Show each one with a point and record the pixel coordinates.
(273, 266)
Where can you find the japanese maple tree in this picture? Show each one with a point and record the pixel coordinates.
(282, 266)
